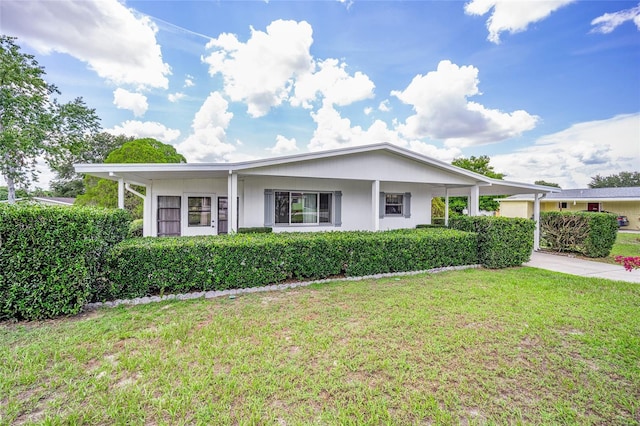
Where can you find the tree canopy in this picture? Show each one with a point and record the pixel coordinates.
(481, 166)
(543, 183)
(33, 124)
(620, 180)
(104, 192)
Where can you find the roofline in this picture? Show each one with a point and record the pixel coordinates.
(563, 200)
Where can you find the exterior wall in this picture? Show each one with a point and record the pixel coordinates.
(356, 213)
(516, 209)
(631, 209)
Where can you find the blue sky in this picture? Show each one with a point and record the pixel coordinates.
(548, 89)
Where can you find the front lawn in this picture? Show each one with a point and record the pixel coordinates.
(476, 346)
(627, 244)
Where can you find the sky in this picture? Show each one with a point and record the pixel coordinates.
(549, 90)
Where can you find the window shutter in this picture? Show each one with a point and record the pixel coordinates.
(337, 203)
(383, 202)
(269, 207)
(406, 208)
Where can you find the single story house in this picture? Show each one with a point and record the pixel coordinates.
(373, 187)
(621, 201)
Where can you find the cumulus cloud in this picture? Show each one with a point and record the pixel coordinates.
(260, 71)
(384, 106)
(443, 111)
(136, 102)
(188, 81)
(208, 140)
(113, 40)
(572, 156)
(330, 79)
(610, 21)
(512, 16)
(334, 131)
(284, 145)
(175, 97)
(145, 129)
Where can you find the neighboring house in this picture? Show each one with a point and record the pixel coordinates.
(374, 187)
(621, 201)
(49, 201)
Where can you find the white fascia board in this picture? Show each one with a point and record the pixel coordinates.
(589, 200)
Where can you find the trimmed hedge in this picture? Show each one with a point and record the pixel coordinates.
(52, 258)
(502, 241)
(148, 266)
(255, 230)
(589, 233)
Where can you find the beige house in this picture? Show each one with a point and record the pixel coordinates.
(621, 201)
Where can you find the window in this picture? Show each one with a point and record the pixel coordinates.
(562, 205)
(302, 208)
(593, 207)
(168, 216)
(199, 211)
(393, 204)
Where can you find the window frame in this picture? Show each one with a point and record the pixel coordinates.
(399, 206)
(200, 211)
(277, 195)
(158, 215)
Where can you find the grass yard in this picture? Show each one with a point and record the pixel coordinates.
(627, 244)
(515, 346)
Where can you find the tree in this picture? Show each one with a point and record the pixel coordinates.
(620, 180)
(481, 166)
(96, 148)
(33, 124)
(104, 192)
(543, 183)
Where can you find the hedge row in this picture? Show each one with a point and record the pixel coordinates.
(592, 234)
(52, 258)
(502, 242)
(149, 266)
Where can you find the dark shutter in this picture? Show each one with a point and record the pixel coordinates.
(269, 207)
(337, 203)
(406, 208)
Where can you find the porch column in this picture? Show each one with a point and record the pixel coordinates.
(120, 193)
(536, 218)
(147, 212)
(232, 201)
(474, 201)
(375, 204)
(446, 206)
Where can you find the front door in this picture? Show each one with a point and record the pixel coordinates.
(223, 219)
(199, 214)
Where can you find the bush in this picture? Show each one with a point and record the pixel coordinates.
(255, 230)
(52, 258)
(502, 242)
(427, 226)
(149, 266)
(136, 228)
(588, 233)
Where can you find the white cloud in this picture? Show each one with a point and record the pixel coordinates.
(207, 141)
(368, 110)
(188, 81)
(334, 131)
(145, 129)
(260, 71)
(136, 102)
(284, 145)
(610, 21)
(440, 100)
(118, 45)
(384, 106)
(330, 79)
(175, 97)
(512, 16)
(571, 157)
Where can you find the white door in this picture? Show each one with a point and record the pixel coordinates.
(199, 215)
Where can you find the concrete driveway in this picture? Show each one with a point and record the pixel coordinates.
(583, 268)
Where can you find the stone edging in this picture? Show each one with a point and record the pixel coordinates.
(274, 287)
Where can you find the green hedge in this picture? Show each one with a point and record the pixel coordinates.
(592, 234)
(502, 242)
(149, 266)
(255, 230)
(52, 258)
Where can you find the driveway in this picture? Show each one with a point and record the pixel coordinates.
(583, 268)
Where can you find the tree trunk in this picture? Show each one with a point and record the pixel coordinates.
(11, 187)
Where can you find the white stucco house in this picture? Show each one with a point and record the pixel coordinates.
(373, 187)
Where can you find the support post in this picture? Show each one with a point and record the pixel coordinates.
(474, 201)
(232, 201)
(120, 193)
(446, 206)
(375, 204)
(536, 218)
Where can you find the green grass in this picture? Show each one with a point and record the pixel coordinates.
(627, 244)
(515, 346)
